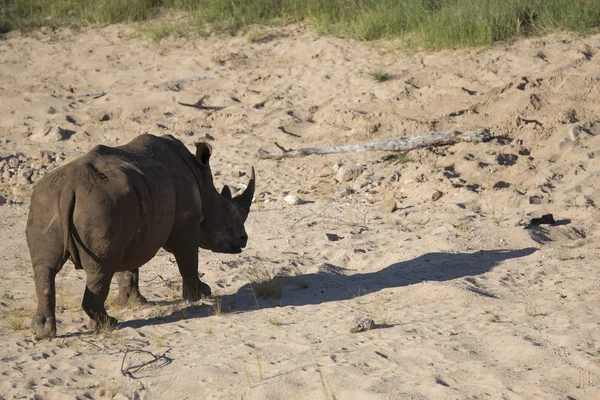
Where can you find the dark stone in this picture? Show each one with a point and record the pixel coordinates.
(507, 159)
(546, 219)
(332, 237)
(535, 200)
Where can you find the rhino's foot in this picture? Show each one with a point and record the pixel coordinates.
(196, 293)
(130, 300)
(43, 327)
(104, 323)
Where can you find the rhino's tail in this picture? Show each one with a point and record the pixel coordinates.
(66, 211)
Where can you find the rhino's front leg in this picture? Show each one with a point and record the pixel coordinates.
(43, 324)
(187, 261)
(96, 291)
(129, 288)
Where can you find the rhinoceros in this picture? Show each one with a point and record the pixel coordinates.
(112, 209)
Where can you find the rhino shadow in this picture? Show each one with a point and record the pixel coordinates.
(333, 283)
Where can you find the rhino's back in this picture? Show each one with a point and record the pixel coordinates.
(125, 200)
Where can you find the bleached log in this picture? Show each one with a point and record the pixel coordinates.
(395, 144)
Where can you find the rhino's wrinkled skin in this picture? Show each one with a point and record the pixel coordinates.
(112, 209)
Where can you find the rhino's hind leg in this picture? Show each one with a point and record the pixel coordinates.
(43, 324)
(96, 292)
(129, 289)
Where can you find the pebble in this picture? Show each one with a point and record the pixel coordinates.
(332, 237)
(507, 159)
(50, 134)
(388, 206)
(13, 162)
(501, 185)
(343, 192)
(362, 324)
(575, 132)
(436, 195)
(292, 200)
(46, 158)
(348, 173)
(535, 200)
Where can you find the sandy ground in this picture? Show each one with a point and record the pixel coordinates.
(467, 302)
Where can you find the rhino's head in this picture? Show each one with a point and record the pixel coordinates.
(222, 229)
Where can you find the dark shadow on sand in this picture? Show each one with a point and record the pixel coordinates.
(334, 283)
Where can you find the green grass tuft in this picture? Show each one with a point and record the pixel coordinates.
(379, 75)
(426, 24)
(16, 322)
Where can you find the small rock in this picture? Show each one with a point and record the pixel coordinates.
(325, 171)
(507, 159)
(49, 134)
(436, 195)
(535, 200)
(395, 177)
(575, 132)
(547, 219)
(51, 110)
(292, 200)
(26, 174)
(524, 151)
(348, 173)
(6, 175)
(343, 192)
(120, 396)
(501, 185)
(362, 324)
(3, 165)
(46, 158)
(13, 162)
(104, 118)
(2, 200)
(332, 237)
(388, 206)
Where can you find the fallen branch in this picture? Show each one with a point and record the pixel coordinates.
(200, 105)
(92, 343)
(396, 144)
(129, 371)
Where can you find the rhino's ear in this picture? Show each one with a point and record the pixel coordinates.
(203, 152)
(226, 192)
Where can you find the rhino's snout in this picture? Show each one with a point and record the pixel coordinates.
(243, 240)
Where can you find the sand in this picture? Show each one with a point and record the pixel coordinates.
(467, 301)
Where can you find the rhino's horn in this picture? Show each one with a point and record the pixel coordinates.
(245, 199)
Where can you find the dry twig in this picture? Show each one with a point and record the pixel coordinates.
(200, 105)
(129, 371)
